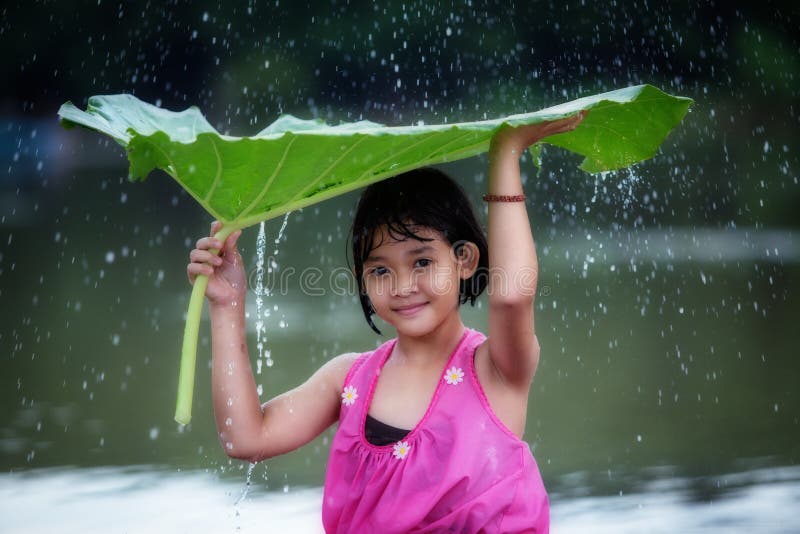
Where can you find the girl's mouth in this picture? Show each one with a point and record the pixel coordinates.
(411, 309)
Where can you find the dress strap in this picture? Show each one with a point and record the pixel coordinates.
(355, 367)
(467, 350)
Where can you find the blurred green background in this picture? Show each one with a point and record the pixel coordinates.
(668, 300)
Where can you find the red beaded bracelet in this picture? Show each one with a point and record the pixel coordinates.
(504, 198)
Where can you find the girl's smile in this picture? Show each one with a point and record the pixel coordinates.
(410, 309)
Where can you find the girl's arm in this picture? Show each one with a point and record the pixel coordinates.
(247, 430)
(513, 266)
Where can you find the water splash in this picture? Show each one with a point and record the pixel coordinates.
(261, 334)
(243, 495)
(629, 181)
(262, 291)
(626, 181)
(280, 232)
(246, 488)
(599, 177)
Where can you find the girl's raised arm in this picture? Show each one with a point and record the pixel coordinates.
(247, 430)
(513, 267)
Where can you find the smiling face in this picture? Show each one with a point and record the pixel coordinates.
(413, 284)
(424, 198)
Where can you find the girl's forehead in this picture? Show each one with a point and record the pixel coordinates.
(384, 239)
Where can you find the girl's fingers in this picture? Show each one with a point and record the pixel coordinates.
(204, 256)
(206, 243)
(193, 270)
(567, 124)
(230, 243)
(203, 260)
(573, 122)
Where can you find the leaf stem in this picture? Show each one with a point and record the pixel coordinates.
(183, 406)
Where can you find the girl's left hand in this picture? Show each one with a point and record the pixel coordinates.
(519, 138)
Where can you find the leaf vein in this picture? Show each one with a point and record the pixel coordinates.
(218, 177)
(269, 181)
(371, 170)
(327, 171)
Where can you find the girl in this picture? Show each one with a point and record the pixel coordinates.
(430, 423)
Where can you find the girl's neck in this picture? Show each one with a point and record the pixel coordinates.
(431, 349)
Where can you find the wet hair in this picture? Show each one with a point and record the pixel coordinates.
(422, 198)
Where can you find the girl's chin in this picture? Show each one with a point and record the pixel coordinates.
(417, 327)
(410, 326)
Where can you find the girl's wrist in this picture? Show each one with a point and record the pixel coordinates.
(504, 151)
(226, 304)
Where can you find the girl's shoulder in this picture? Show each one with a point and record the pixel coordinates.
(340, 366)
(345, 365)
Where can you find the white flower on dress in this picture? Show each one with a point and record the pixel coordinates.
(349, 395)
(401, 449)
(454, 375)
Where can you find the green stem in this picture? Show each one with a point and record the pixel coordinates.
(183, 407)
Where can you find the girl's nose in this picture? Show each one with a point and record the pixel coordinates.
(404, 284)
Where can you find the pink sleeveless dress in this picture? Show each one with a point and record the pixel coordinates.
(459, 470)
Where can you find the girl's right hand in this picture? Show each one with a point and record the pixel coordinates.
(227, 283)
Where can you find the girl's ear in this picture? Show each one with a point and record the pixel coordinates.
(466, 256)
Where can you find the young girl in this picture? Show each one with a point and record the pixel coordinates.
(430, 423)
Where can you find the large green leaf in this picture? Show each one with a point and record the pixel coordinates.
(294, 163)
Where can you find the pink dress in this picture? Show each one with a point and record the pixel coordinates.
(459, 470)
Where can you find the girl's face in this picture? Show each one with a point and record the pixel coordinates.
(414, 285)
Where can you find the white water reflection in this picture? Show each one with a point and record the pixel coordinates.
(132, 500)
(677, 245)
(146, 499)
(764, 501)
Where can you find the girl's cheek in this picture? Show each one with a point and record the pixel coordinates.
(441, 282)
(375, 288)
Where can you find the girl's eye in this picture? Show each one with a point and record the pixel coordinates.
(379, 271)
(423, 262)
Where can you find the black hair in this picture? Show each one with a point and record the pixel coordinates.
(423, 197)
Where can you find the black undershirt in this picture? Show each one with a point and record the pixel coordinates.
(379, 433)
